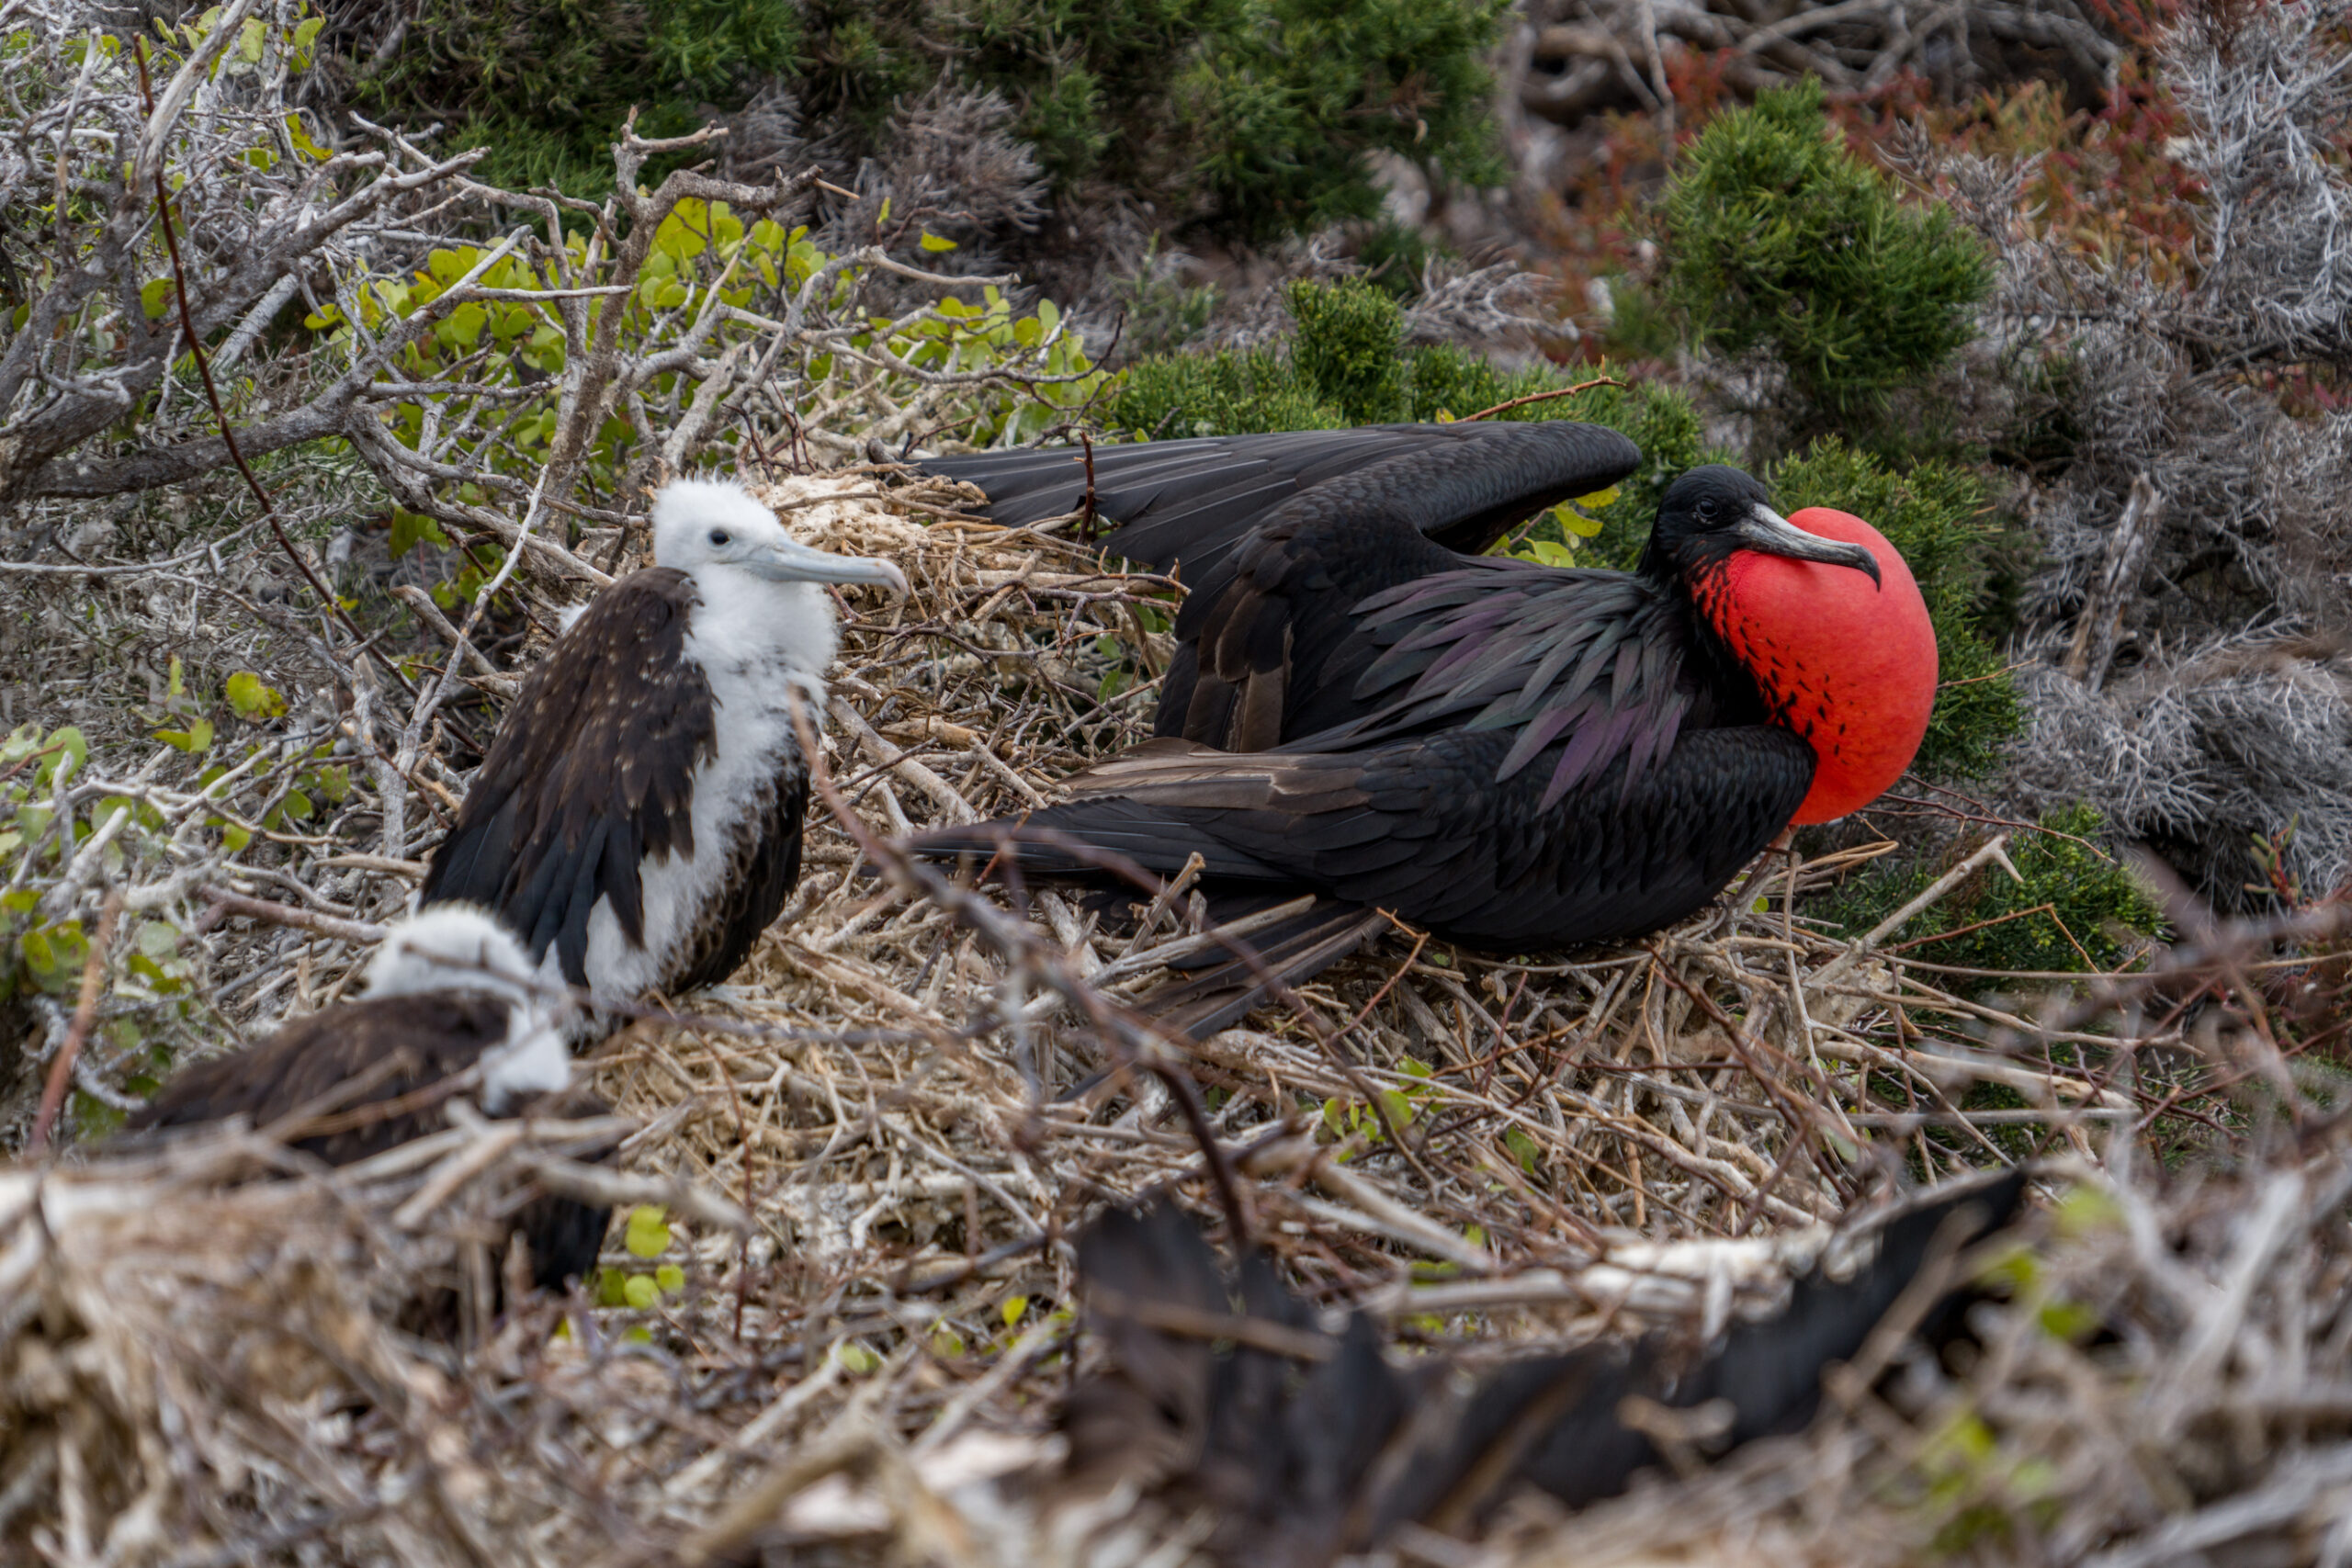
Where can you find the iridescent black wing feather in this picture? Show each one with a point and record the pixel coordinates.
(1186, 503)
(1420, 827)
(1592, 660)
(1270, 648)
(1279, 536)
(591, 771)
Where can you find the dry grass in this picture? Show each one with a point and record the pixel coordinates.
(911, 1096)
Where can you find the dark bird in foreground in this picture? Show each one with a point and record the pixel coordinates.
(1517, 757)
(638, 820)
(452, 1007)
(1304, 1446)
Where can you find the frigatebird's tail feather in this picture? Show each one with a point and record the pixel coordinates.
(1081, 839)
(1128, 814)
(1228, 982)
(1188, 502)
(1769, 1371)
(1340, 1448)
(1225, 978)
(1760, 1366)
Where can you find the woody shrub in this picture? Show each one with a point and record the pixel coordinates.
(1778, 241)
(1245, 118)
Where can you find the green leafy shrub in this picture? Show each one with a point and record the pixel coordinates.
(1163, 314)
(1394, 254)
(1253, 117)
(55, 808)
(545, 87)
(1934, 513)
(1778, 238)
(646, 1233)
(1347, 348)
(704, 259)
(1284, 97)
(2074, 910)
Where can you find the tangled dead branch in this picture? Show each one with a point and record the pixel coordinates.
(2196, 538)
(1577, 59)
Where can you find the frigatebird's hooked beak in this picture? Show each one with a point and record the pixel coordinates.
(795, 563)
(1766, 530)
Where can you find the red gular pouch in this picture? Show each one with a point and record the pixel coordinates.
(1848, 663)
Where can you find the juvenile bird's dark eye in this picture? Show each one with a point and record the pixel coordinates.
(718, 536)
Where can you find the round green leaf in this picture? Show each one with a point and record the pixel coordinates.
(649, 1233)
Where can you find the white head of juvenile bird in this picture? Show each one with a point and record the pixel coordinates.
(759, 585)
(460, 947)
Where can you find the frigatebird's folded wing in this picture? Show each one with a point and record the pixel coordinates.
(1334, 632)
(369, 1052)
(593, 769)
(1423, 829)
(1187, 502)
(356, 1079)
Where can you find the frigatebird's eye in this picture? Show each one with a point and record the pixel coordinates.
(1708, 511)
(718, 536)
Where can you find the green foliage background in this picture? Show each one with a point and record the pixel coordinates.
(1249, 118)
(546, 85)
(1777, 238)
(2095, 906)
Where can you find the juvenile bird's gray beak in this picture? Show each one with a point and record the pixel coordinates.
(793, 562)
(1766, 530)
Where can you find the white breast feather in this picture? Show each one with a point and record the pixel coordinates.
(533, 1059)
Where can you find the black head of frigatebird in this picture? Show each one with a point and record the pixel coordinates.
(1850, 668)
(1711, 513)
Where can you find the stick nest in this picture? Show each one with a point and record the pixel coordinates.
(839, 1314)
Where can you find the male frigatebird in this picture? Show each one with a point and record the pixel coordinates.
(637, 819)
(1515, 756)
(451, 1007)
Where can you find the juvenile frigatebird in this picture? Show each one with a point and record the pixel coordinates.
(1294, 1447)
(452, 1007)
(1515, 756)
(637, 819)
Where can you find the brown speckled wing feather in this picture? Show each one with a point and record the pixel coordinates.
(424, 1038)
(370, 1067)
(763, 867)
(591, 772)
